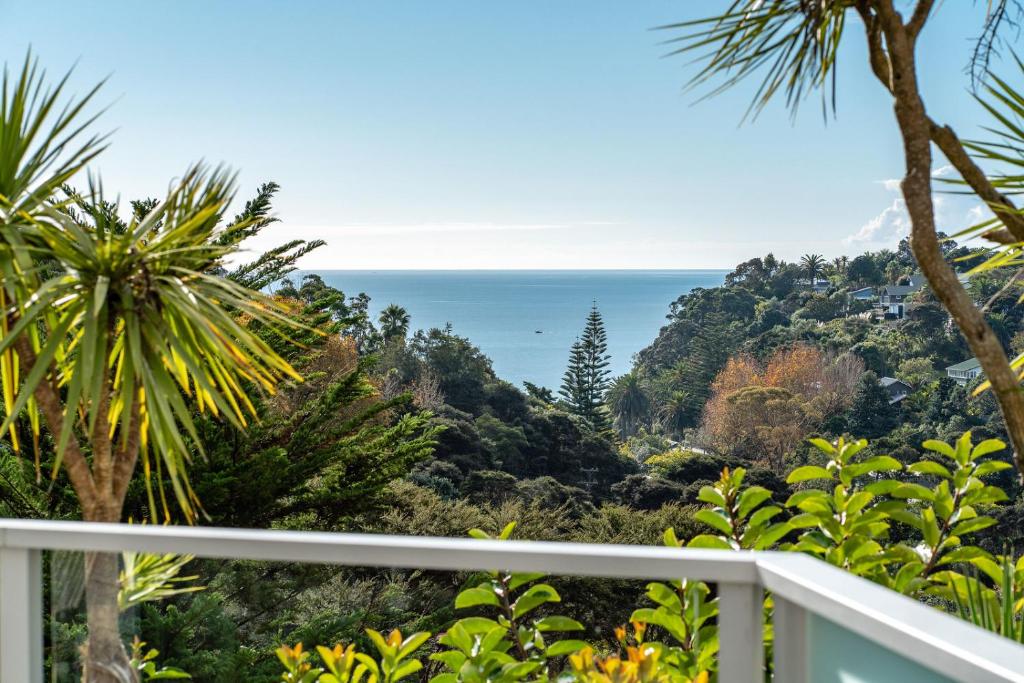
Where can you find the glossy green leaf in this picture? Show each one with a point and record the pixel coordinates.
(715, 520)
(806, 473)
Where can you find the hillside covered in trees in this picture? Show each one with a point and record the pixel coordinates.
(740, 376)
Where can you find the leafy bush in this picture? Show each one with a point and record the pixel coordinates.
(905, 527)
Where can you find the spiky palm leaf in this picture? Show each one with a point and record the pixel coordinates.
(792, 44)
(137, 313)
(999, 608)
(127, 319)
(147, 577)
(42, 145)
(1003, 152)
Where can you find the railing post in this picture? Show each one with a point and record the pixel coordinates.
(21, 615)
(740, 633)
(790, 643)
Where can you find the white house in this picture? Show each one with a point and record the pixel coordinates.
(964, 372)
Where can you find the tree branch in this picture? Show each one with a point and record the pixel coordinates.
(947, 141)
(75, 463)
(919, 17)
(915, 129)
(128, 454)
(877, 56)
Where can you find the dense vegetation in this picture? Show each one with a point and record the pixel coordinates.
(514, 635)
(411, 432)
(480, 453)
(248, 398)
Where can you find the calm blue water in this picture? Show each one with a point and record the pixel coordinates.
(500, 310)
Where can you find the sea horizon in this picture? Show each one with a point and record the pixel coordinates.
(525, 320)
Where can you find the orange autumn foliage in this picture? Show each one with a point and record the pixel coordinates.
(764, 411)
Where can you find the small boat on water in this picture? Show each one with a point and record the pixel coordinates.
(538, 331)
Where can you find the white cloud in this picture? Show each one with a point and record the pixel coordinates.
(892, 224)
(893, 184)
(887, 228)
(978, 213)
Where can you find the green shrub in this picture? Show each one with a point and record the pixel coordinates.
(936, 504)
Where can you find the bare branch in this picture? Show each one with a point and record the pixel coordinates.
(947, 141)
(1001, 14)
(876, 49)
(916, 130)
(919, 17)
(1000, 236)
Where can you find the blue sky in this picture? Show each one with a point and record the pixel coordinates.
(458, 134)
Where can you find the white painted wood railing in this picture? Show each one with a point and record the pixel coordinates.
(804, 589)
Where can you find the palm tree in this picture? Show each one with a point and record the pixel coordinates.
(812, 265)
(630, 405)
(125, 334)
(839, 263)
(673, 415)
(394, 322)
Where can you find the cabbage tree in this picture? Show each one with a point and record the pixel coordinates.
(115, 333)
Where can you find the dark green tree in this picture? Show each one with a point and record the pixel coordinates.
(586, 380)
(812, 266)
(460, 368)
(871, 416)
(542, 394)
(394, 322)
(630, 405)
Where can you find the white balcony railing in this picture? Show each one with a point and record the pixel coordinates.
(829, 625)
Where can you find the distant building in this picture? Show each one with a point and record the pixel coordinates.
(863, 294)
(893, 297)
(964, 372)
(896, 389)
(819, 287)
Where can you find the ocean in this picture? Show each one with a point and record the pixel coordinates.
(525, 321)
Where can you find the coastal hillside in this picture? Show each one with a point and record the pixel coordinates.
(434, 442)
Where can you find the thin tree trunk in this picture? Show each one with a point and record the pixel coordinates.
(916, 130)
(106, 660)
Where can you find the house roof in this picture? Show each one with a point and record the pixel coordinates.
(863, 290)
(897, 389)
(969, 364)
(897, 290)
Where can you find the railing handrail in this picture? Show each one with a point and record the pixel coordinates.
(932, 638)
(379, 550)
(913, 630)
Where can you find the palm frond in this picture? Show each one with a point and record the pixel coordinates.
(791, 45)
(148, 577)
(43, 144)
(137, 313)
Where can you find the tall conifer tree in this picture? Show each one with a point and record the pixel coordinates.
(586, 380)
